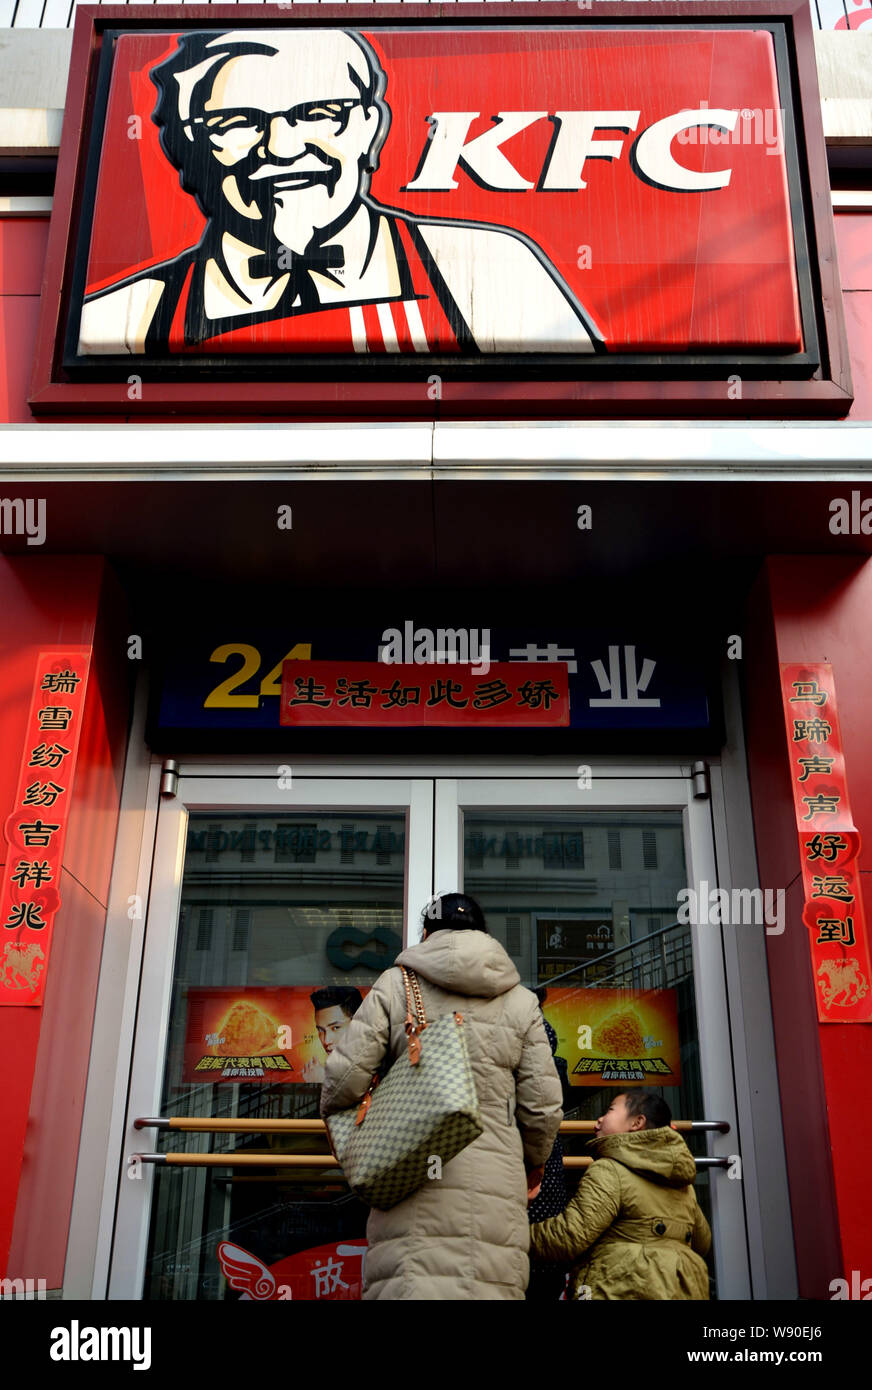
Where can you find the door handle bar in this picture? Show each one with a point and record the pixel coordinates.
(234, 1159)
(206, 1125)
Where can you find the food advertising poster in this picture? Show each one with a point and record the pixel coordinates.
(264, 1033)
(611, 1036)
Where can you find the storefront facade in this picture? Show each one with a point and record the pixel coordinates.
(665, 608)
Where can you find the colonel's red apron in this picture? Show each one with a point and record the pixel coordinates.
(416, 323)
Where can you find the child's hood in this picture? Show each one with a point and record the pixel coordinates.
(658, 1154)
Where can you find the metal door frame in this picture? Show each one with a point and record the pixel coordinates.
(433, 795)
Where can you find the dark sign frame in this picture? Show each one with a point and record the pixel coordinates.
(815, 382)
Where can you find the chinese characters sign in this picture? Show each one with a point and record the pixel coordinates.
(610, 1036)
(36, 829)
(829, 846)
(371, 694)
(616, 680)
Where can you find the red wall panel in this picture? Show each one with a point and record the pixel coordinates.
(46, 600)
(18, 323)
(854, 243)
(854, 246)
(858, 327)
(814, 611)
(22, 254)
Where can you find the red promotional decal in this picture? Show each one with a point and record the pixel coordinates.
(417, 190)
(36, 829)
(373, 694)
(829, 846)
(326, 1273)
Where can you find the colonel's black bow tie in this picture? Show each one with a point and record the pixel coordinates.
(273, 265)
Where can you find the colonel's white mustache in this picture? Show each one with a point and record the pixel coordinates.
(306, 164)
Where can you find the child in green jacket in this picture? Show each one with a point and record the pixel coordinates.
(634, 1229)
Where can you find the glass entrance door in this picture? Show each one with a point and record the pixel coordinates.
(275, 906)
(276, 903)
(582, 881)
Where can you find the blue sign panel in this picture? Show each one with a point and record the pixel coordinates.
(619, 679)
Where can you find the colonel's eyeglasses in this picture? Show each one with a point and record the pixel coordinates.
(325, 116)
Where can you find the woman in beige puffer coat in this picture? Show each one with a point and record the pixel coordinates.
(464, 1235)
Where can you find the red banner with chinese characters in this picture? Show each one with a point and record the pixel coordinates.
(375, 694)
(829, 846)
(36, 829)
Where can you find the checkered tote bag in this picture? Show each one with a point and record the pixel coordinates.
(425, 1107)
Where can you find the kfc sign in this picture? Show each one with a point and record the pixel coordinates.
(574, 142)
(381, 196)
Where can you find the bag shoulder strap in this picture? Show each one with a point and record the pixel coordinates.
(416, 1019)
(410, 980)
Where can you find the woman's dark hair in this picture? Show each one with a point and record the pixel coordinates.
(453, 912)
(648, 1103)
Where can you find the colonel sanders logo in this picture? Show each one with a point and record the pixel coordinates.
(276, 135)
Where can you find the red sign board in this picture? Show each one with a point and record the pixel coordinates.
(542, 189)
(829, 846)
(373, 694)
(36, 828)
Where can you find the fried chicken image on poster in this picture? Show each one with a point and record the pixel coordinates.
(275, 136)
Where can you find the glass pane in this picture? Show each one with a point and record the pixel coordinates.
(274, 910)
(586, 904)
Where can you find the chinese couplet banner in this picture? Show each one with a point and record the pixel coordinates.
(373, 694)
(829, 846)
(36, 829)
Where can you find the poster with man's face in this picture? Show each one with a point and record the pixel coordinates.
(413, 191)
(265, 1034)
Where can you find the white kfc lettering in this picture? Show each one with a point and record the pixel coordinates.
(652, 152)
(573, 144)
(481, 158)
